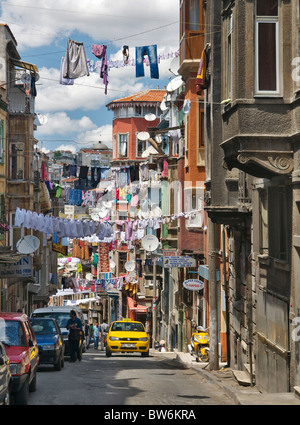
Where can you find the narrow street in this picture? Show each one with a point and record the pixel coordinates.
(124, 379)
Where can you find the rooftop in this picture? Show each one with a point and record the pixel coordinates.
(151, 95)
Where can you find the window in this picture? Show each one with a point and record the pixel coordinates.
(279, 221)
(229, 59)
(123, 145)
(138, 110)
(194, 15)
(263, 222)
(194, 202)
(17, 161)
(267, 47)
(141, 146)
(122, 261)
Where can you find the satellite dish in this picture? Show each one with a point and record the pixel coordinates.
(36, 77)
(28, 244)
(149, 151)
(26, 78)
(143, 135)
(150, 243)
(163, 105)
(174, 66)
(40, 119)
(150, 117)
(130, 266)
(175, 84)
(103, 212)
(112, 264)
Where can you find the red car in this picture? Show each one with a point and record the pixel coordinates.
(19, 340)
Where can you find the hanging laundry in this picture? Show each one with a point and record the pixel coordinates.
(151, 51)
(124, 176)
(186, 106)
(125, 53)
(75, 63)
(165, 169)
(44, 174)
(144, 171)
(34, 78)
(66, 170)
(83, 175)
(62, 80)
(100, 53)
(134, 173)
(73, 170)
(201, 80)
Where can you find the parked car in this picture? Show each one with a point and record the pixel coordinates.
(5, 377)
(127, 336)
(50, 341)
(17, 335)
(62, 315)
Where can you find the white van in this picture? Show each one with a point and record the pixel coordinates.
(62, 315)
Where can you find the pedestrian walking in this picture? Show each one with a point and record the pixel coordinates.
(104, 331)
(96, 335)
(74, 325)
(87, 334)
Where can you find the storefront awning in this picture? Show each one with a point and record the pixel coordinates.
(25, 65)
(138, 308)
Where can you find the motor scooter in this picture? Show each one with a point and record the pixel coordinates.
(199, 346)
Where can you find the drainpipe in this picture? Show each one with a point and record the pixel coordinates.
(213, 298)
(226, 285)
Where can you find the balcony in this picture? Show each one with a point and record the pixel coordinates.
(260, 156)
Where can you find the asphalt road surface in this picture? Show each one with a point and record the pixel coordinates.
(124, 380)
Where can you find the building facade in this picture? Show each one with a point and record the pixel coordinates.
(253, 178)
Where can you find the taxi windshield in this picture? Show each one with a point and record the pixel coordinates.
(130, 327)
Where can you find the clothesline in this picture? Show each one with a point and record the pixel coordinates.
(103, 229)
(75, 64)
(93, 66)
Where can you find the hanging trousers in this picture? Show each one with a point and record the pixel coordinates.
(151, 51)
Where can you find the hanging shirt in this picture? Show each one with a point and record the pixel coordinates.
(62, 80)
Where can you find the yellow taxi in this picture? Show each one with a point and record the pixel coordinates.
(127, 336)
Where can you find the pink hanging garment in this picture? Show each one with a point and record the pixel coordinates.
(100, 53)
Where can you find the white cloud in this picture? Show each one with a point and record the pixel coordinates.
(90, 137)
(61, 123)
(71, 148)
(39, 23)
(41, 28)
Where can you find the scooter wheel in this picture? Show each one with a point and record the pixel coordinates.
(198, 354)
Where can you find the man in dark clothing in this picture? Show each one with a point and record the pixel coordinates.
(74, 326)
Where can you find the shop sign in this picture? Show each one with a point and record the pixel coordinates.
(179, 261)
(193, 284)
(20, 269)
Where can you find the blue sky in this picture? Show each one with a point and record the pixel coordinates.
(76, 115)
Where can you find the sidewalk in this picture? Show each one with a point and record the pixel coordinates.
(224, 379)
